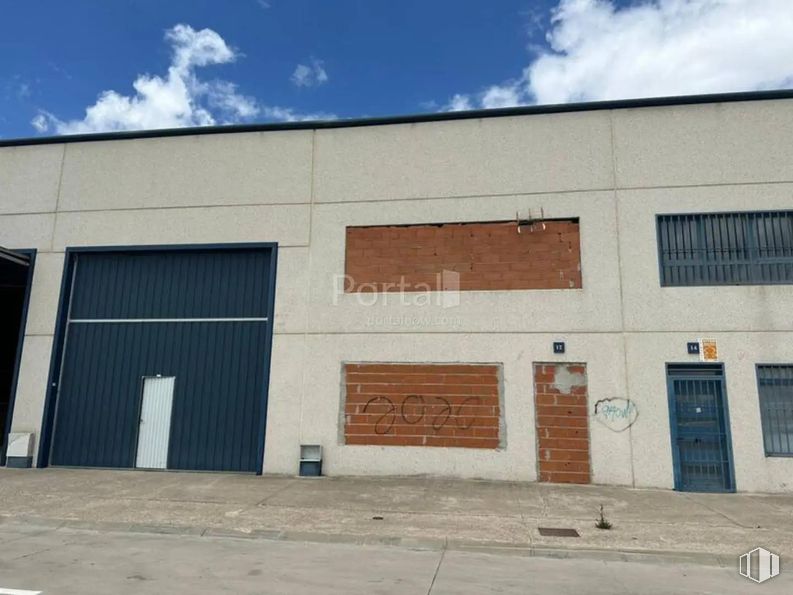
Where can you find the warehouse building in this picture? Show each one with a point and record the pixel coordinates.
(590, 293)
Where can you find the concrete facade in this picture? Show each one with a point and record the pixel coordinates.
(614, 170)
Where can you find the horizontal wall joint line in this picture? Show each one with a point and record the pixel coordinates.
(155, 320)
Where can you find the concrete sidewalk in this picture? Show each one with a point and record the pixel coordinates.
(418, 512)
(67, 561)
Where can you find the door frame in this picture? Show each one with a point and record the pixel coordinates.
(672, 406)
(31, 254)
(64, 304)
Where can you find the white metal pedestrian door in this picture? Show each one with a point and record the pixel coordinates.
(155, 422)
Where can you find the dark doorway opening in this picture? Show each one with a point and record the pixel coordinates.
(16, 268)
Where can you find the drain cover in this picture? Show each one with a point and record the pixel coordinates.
(557, 532)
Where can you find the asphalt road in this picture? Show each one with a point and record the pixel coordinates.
(66, 561)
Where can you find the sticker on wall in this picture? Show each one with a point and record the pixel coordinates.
(708, 352)
(616, 414)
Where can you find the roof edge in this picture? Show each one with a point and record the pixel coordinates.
(409, 119)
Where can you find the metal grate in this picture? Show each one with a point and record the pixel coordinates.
(699, 429)
(557, 532)
(775, 385)
(750, 248)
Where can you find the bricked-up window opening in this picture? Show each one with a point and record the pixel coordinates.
(750, 248)
(775, 384)
(487, 256)
(560, 393)
(391, 404)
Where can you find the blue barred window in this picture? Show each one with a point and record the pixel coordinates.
(775, 385)
(751, 248)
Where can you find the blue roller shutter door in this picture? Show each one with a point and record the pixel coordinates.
(199, 316)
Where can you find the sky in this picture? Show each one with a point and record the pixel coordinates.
(103, 65)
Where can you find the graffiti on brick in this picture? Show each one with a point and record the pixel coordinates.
(439, 413)
(616, 414)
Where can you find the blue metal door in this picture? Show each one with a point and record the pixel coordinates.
(199, 314)
(701, 447)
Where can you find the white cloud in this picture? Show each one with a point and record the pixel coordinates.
(501, 96)
(175, 100)
(310, 75)
(40, 122)
(287, 114)
(495, 96)
(60, 70)
(23, 91)
(17, 87)
(459, 103)
(223, 97)
(654, 48)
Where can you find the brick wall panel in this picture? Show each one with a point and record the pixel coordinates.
(488, 256)
(448, 405)
(562, 423)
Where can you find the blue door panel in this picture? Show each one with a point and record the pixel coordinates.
(219, 370)
(700, 429)
(171, 284)
(202, 316)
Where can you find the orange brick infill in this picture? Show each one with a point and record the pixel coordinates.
(562, 419)
(486, 256)
(449, 405)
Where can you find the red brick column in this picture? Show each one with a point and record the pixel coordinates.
(560, 392)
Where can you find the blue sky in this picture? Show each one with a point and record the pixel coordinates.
(256, 60)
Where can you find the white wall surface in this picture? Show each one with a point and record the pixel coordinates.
(648, 354)
(29, 178)
(710, 144)
(648, 306)
(228, 169)
(466, 158)
(614, 170)
(595, 307)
